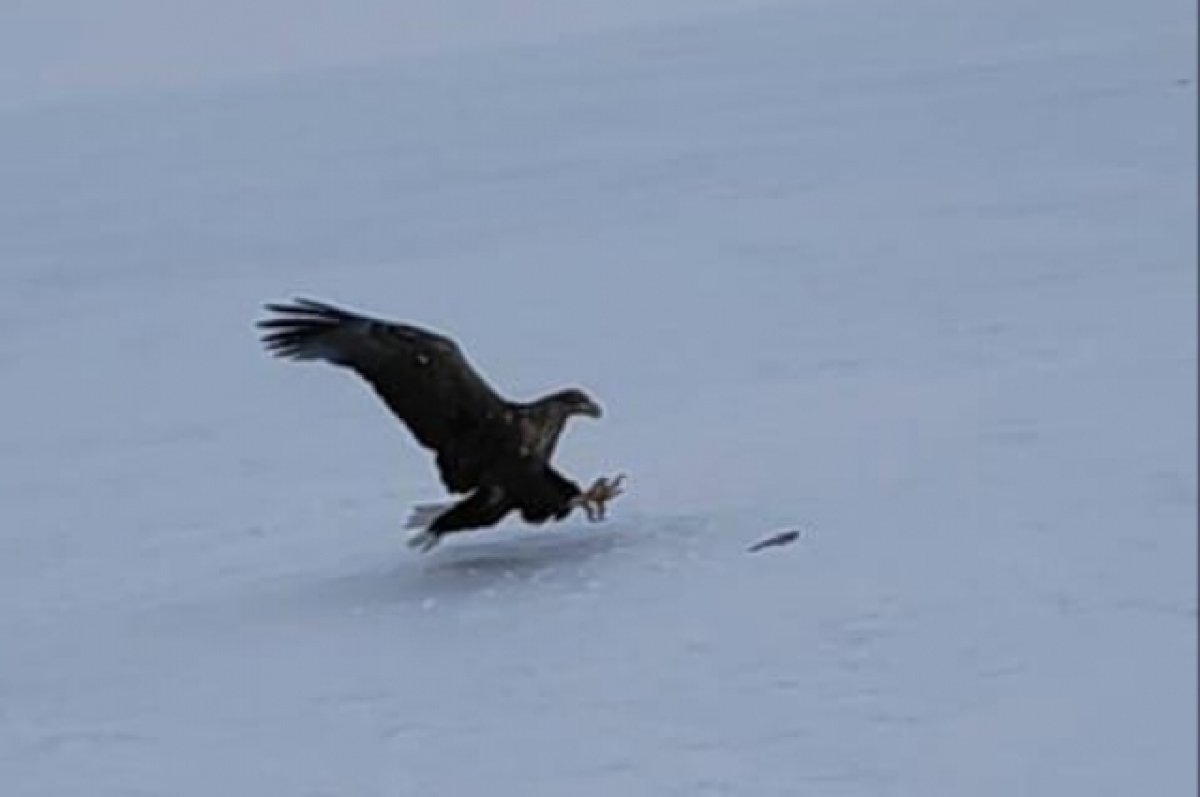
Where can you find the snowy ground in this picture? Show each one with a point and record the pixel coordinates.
(920, 283)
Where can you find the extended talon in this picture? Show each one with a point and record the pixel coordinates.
(596, 497)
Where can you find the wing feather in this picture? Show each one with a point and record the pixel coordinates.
(422, 376)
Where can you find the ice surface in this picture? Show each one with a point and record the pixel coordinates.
(921, 282)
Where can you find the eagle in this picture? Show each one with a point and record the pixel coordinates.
(494, 451)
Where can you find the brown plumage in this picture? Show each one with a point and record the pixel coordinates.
(495, 450)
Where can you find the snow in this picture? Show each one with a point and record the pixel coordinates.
(57, 48)
(921, 285)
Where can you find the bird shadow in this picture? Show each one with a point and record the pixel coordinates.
(521, 555)
(465, 570)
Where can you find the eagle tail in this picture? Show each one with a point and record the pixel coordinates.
(486, 506)
(422, 515)
(420, 519)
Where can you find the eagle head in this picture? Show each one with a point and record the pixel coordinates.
(576, 402)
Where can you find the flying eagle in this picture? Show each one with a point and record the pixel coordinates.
(495, 451)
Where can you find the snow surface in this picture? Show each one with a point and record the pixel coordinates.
(920, 283)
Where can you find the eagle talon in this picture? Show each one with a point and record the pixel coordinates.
(596, 497)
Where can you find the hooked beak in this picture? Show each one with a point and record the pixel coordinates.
(592, 410)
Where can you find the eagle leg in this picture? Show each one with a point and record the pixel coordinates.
(595, 498)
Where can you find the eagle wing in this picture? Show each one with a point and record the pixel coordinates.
(422, 376)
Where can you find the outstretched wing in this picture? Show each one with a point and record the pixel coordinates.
(421, 375)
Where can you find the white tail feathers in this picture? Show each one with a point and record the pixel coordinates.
(423, 515)
(424, 541)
